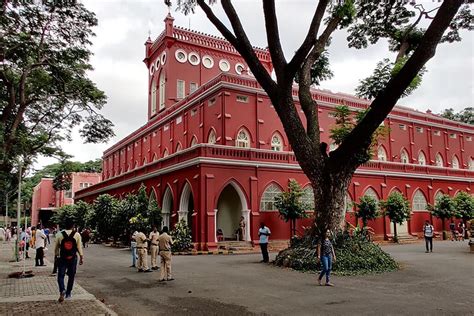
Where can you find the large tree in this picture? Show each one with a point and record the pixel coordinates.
(367, 22)
(465, 116)
(45, 91)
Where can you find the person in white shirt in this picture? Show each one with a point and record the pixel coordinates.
(264, 232)
(428, 231)
(39, 245)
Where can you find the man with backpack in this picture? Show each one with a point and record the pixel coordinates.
(428, 232)
(68, 244)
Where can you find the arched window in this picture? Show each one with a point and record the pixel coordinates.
(419, 201)
(144, 161)
(277, 143)
(421, 158)
(438, 195)
(194, 141)
(162, 90)
(308, 197)
(165, 153)
(178, 148)
(371, 192)
(211, 139)
(154, 91)
(455, 162)
(381, 154)
(267, 203)
(471, 164)
(439, 160)
(136, 165)
(154, 157)
(404, 156)
(243, 139)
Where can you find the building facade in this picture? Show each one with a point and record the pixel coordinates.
(213, 148)
(46, 200)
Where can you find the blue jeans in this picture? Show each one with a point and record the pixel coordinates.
(326, 262)
(133, 248)
(66, 267)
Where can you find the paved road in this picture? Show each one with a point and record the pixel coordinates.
(437, 283)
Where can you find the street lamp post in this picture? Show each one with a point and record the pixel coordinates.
(18, 213)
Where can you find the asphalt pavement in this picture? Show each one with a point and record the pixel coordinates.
(438, 283)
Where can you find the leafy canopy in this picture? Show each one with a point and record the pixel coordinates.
(396, 207)
(367, 209)
(444, 207)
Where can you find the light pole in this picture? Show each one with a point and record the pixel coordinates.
(18, 213)
(6, 206)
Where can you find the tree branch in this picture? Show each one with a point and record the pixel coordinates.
(246, 50)
(273, 38)
(360, 137)
(310, 39)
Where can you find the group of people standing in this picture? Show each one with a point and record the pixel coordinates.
(160, 245)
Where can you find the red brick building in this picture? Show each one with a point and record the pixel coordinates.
(213, 148)
(46, 200)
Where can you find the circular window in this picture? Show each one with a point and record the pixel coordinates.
(152, 69)
(157, 63)
(239, 68)
(207, 61)
(181, 56)
(163, 58)
(224, 65)
(194, 59)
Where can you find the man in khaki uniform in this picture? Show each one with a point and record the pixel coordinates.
(142, 265)
(165, 241)
(154, 247)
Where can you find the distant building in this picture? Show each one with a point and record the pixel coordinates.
(213, 148)
(46, 200)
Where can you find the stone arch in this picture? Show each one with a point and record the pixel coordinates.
(455, 162)
(243, 137)
(167, 206)
(194, 141)
(421, 158)
(382, 153)
(370, 191)
(404, 156)
(271, 188)
(231, 205)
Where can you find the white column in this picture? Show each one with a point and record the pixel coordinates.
(246, 215)
(215, 225)
(183, 214)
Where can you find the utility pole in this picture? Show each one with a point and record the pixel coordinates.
(18, 213)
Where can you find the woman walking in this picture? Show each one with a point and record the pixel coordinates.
(327, 256)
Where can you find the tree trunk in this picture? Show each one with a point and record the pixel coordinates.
(395, 238)
(442, 229)
(329, 194)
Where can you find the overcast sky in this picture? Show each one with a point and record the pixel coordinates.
(124, 26)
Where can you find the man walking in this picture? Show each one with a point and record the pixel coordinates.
(40, 238)
(264, 232)
(428, 231)
(154, 248)
(165, 241)
(68, 244)
(142, 265)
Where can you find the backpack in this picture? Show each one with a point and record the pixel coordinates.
(68, 246)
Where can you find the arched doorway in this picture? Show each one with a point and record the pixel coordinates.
(166, 208)
(186, 207)
(231, 205)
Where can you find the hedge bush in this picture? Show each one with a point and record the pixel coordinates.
(355, 255)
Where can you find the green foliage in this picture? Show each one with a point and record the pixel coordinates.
(320, 70)
(45, 91)
(346, 121)
(385, 70)
(396, 207)
(464, 203)
(139, 223)
(64, 213)
(444, 207)
(367, 209)
(105, 206)
(182, 237)
(63, 176)
(289, 203)
(465, 116)
(355, 255)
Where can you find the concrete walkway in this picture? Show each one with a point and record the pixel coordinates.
(38, 295)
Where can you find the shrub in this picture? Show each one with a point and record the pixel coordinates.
(355, 255)
(182, 237)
